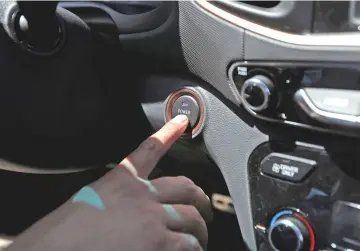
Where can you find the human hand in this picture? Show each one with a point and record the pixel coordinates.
(125, 211)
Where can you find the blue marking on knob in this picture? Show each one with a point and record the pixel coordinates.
(279, 214)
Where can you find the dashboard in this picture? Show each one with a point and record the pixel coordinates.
(281, 119)
(271, 88)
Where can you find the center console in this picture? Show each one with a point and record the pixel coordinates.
(304, 196)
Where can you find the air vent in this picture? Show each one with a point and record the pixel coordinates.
(262, 4)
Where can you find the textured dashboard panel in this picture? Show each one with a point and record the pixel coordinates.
(209, 46)
(230, 142)
(228, 139)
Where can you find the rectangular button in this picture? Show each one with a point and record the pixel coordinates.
(334, 100)
(287, 167)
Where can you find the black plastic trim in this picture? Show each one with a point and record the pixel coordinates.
(289, 16)
(128, 24)
(97, 18)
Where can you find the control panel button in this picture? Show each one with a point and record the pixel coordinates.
(328, 115)
(287, 167)
(256, 93)
(286, 236)
(189, 102)
(188, 106)
(291, 233)
(335, 100)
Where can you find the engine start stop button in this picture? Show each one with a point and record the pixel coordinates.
(188, 106)
(188, 102)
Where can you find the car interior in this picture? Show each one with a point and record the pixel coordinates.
(271, 90)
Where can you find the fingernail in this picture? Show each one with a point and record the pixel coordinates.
(172, 213)
(149, 184)
(180, 119)
(193, 240)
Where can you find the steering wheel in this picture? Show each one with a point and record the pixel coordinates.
(53, 94)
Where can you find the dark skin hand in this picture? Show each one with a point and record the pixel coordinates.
(165, 214)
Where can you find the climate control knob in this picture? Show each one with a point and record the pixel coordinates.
(290, 233)
(256, 93)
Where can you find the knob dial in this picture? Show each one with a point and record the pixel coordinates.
(289, 234)
(256, 92)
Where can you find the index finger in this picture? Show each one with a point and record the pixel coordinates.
(142, 161)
